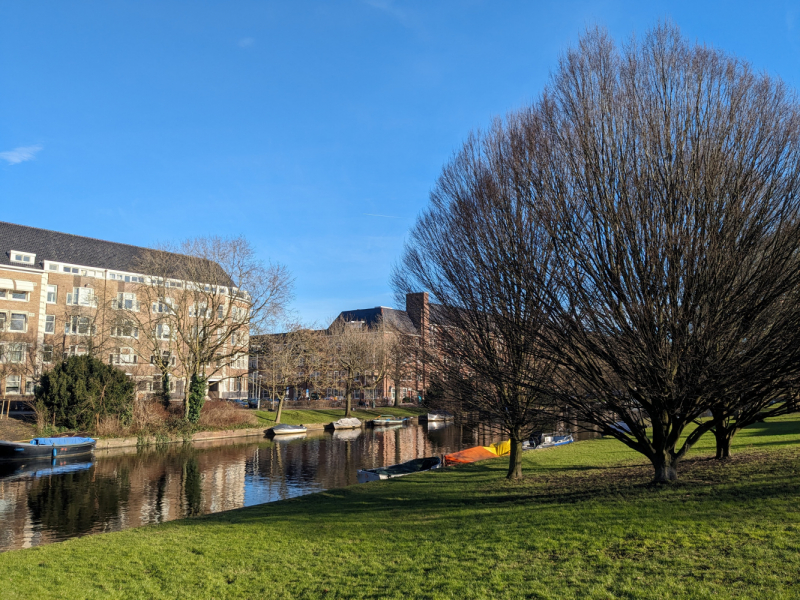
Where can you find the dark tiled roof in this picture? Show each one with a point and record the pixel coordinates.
(65, 247)
(396, 319)
(68, 248)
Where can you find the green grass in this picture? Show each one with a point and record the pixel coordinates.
(584, 523)
(298, 417)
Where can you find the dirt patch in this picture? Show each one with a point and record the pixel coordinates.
(13, 430)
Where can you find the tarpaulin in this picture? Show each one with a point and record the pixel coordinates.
(500, 448)
(469, 455)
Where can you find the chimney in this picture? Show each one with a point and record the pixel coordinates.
(418, 311)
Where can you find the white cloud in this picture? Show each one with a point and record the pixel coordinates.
(21, 154)
(246, 42)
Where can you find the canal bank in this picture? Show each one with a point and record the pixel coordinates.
(582, 524)
(129, 486)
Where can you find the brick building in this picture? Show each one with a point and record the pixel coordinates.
(409, 379)
(62, 295)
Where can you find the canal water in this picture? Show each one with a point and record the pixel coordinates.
(42, 503)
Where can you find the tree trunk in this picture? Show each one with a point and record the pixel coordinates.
(396, 397)
(280, 410)
(665, 466)
(348, 403)
(723, 436)
(165, 397)
(515, 460)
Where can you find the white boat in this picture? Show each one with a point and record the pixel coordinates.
(346, 423)
(287, 429)
(547, 440)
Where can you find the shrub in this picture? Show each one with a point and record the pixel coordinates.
(220, 413)
(81, 391)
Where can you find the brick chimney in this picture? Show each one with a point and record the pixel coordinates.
(418, 311)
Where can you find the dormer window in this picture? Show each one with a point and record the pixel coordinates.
(25, 258)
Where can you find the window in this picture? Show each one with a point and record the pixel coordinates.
(162, 332)
(26, 258)
(82, 297)
(3, 317)
(67, 269)
(164, 305)
(14, 295)
(53, 266)
(47, 353)
(125, 301)
(19, 322)
(220, 312)
(77, 350)
(124, 356)
(28, 387)
(166, 358)
(125, 329)
(50, 324)
(52, 294)
(16, 352)
(79, 326)
(12, 384)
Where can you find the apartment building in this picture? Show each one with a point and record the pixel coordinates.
(62, 295)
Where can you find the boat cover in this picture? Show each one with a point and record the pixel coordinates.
(63, 441)
(500, 448)
(348, 422)
(468, 456)
(412, 466)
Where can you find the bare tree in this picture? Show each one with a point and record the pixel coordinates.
(202, 305)
(401, 359)
(356, 356)
(672, 175)
(484, 255)
(283, 360)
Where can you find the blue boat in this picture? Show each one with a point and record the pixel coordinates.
(40, 448)
(540, 441)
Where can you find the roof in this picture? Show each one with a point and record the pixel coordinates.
(395, 319)
(67, 248)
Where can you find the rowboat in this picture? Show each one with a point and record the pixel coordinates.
(347, 423)
(382, 420)
(413, 466)
(39, 448)
(540, 441)
(283, 429)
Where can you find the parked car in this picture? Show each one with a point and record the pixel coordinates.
(253, 402)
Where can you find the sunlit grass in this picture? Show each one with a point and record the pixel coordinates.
(584, 523)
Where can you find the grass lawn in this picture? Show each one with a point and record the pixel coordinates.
(298, 417)
(584, 524)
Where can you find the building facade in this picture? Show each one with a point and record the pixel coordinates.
(64, 295)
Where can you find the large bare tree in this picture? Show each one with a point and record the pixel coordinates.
(199, 302)
(672, 175)
(487, 260)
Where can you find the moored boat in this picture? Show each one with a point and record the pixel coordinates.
(549, 440)
(381, 420)
(40, 448)
(346, 423)
(413, 466)
(283, 429)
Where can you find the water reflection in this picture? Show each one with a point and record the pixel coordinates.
(43, 503)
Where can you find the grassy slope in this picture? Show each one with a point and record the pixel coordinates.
(297, 417)
(583, 524)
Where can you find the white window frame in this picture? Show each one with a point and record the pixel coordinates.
(52, 291)
(22, 258)
(49, 323)
(24, 322)
(10, 387)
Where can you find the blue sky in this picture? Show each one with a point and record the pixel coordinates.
(293, 123)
